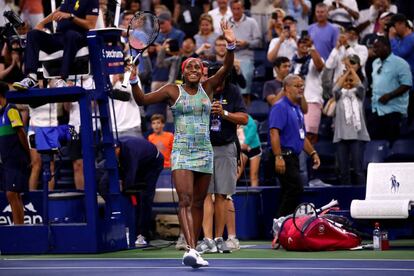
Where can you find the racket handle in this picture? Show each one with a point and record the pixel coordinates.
(327, 206)
(126, 79)
(128, 73)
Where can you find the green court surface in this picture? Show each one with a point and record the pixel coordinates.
(400, 250)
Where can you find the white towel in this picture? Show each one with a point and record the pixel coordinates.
(351, 106)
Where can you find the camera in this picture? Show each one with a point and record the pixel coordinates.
(274, 15)
(304, 34)
(8, 33)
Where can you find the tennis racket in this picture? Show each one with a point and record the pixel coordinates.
(309, 210)
(142, 31)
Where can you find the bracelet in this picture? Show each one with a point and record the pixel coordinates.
(133, 81)
(279, 156)
(231, 46)
(313, 153)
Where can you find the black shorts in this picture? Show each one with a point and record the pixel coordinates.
(252, 153)
(75, 149)
(32, 141)
(14, 177)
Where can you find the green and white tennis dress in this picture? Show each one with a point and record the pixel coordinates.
(192, 149)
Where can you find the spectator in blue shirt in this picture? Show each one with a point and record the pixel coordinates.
(391, 80)
(288, 139)
(402, 45)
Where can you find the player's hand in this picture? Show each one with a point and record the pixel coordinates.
(131, 68)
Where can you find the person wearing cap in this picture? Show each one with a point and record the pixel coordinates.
(346, 46)
(284, 45)
(192, 154)
(402, 39)
(368, 21)
(391, 80)
(402, 45)
(382, 30)
(323, 34)
(342, 12)
(300, 10)
(308, 64)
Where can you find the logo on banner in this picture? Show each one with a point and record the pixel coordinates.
(31, 215)
(395, 185)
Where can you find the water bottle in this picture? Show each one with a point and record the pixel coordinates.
(377, 237)
(127, 236)
(215, 123)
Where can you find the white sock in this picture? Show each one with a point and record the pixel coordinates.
(231, 237)
(33, 76)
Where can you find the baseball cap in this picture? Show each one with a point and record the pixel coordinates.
(399, 17)
(386, 14)
(354, 59)
(289, 17)
(165, 16)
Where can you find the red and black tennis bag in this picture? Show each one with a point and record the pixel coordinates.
(314, 233)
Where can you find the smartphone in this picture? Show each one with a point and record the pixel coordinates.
(304, 34)
(274, 15)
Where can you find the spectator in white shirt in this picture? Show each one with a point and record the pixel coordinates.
(221, 12)
(347, 45)
(284, 45)
(369, 18)
(342, 12)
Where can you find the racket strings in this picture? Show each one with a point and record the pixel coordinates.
(143, 30)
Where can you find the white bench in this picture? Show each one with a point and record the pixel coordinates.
(389, 192)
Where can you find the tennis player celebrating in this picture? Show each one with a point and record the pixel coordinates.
(192, 154)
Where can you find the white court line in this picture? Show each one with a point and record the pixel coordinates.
(207, 258)
(208, 268)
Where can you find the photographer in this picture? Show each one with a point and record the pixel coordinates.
(11, 63)
(11, 46)
(284, 45)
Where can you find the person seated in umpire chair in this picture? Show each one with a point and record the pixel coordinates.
(140, 163)
(74, 19)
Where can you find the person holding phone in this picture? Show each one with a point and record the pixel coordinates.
(284, 45)
(275, 24)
